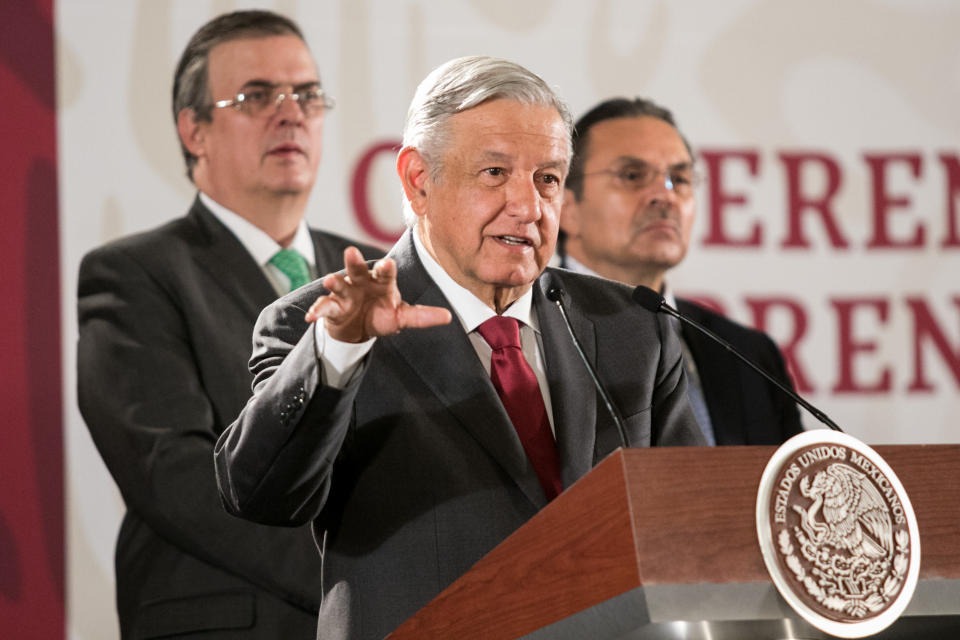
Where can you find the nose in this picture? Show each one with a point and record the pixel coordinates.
(523, 199)
(662, 190)
(289, 110)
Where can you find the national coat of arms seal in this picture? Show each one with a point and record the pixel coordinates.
(838, 533)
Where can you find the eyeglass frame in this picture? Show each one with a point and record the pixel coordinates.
(669, 181)
(238, 101)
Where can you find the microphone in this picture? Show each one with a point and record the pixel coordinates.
(654, 302)
(555, 294)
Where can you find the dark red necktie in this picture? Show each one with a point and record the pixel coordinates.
(517, 387)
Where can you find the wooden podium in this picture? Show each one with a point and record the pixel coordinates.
(655, 536)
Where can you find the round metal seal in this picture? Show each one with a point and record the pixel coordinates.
(838, 533)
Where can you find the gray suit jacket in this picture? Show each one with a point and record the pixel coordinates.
(413, 472)
(165, 323)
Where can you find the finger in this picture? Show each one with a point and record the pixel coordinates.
(335, 283)
(418, 316)
(384, 271)
(355, 265)
(323, 307)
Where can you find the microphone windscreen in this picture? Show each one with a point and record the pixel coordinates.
(648, 298)
(554, 294)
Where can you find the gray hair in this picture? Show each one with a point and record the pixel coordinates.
(461, 84)
(190, 82)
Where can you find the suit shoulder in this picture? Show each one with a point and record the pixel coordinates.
(335, 244)
(603, 295)
(738, 334)
(160, 241)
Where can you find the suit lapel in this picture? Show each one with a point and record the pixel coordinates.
(228, 263)
(456, 376)
(571, 389)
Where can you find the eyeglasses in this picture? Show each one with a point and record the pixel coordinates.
(260, 99)
(635, 176)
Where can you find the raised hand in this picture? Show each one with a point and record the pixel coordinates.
(365, 303)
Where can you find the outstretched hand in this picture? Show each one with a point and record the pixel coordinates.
(365, 303)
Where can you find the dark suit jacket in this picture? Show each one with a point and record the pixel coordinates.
(166, 319)
(413, 472)
(744, 407)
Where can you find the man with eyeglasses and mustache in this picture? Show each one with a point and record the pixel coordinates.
(627, 215)
(166, 319)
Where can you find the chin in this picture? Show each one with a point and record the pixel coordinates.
(290, 187)
(517, 278)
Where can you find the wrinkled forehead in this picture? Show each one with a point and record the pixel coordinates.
(506, 127)
(642, 138)
(261, 59)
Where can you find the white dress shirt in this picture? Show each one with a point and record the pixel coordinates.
(261, 246)
(342, 360)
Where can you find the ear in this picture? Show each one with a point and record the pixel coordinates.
(570, 214)
(414, 176)
(192, 132)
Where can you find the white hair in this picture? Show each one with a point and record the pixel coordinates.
(461, 84)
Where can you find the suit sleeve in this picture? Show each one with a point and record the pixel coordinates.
(142, 397)
(275, 462)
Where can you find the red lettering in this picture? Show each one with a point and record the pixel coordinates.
(760, 309)
(883, 202)
(951, 166)
(794, 165)
(849, 347)
(718, 199)
(926, 329)
(358, 192)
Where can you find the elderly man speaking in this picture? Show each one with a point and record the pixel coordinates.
(421, 409)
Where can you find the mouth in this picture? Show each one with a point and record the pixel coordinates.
(286, 149)
(661, 225)
(514, 241)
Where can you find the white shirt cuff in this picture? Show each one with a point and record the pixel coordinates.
(340, 360)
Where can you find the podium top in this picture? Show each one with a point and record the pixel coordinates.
(660, 517)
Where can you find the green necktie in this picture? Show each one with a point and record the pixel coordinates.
(293, 265)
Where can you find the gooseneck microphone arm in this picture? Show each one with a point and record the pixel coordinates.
(555, 295)
(654, 302)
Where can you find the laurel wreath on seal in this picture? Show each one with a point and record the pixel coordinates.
(834, 599)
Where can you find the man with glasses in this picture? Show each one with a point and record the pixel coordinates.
(166, 319)
(627, 215)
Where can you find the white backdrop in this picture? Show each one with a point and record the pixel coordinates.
(840, 116)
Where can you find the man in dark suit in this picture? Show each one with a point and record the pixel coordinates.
(165, 323)
(387, 414)
(627, 216)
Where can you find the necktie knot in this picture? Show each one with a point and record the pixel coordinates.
(500, 332)
(293, 265)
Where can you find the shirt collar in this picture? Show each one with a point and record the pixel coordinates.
(469, 309)
(260, 245)
(668, 296)
(571, 263)
(575, 265)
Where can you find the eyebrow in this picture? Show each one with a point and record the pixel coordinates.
(626, 160)
(499, 156)
(555, 164)
(266, 84)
